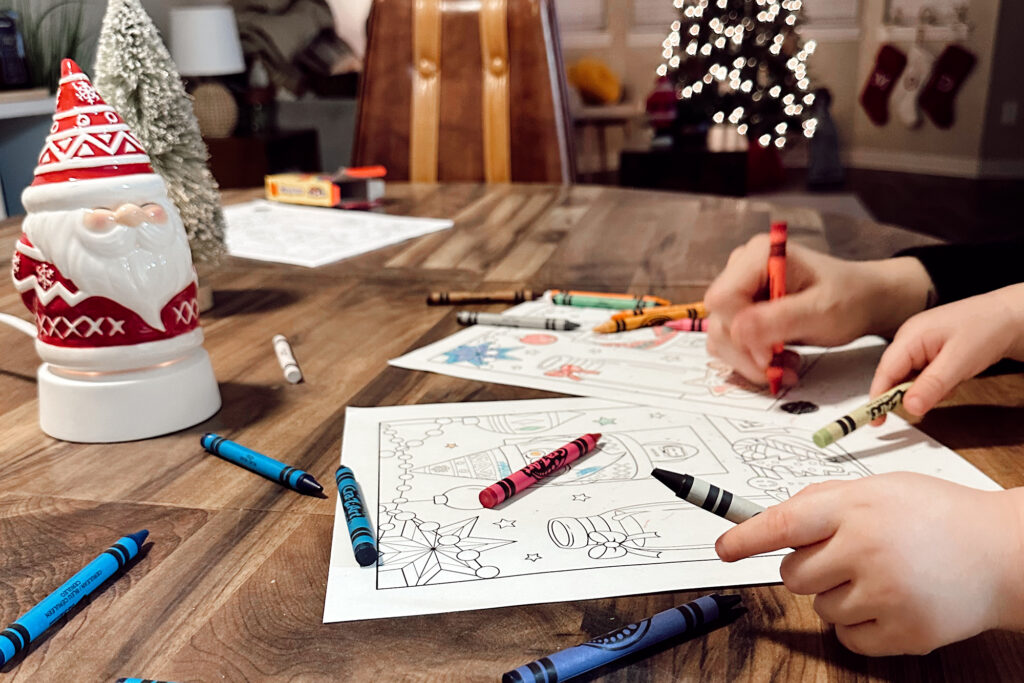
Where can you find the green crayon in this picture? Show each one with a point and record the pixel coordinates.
(859, 417)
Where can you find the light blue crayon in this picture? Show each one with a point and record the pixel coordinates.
(31, 624)
(702, 613)
(289, 476)
(364, 544)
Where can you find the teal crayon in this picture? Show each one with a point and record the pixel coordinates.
(364, 543)
(29, 626)
(286, 475)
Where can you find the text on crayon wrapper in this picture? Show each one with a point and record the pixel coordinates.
(350, 502)
(880, 409)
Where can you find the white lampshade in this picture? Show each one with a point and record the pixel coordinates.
(204, 41)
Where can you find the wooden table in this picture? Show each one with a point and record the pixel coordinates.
(232, 586)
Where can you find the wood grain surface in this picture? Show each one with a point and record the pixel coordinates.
(231, 586)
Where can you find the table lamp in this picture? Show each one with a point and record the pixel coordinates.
(103, 265)
(205, 44)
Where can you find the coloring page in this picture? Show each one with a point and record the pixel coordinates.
(600, 527)
(656, 365)
(314, 236)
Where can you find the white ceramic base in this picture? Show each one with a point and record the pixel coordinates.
(126, 406)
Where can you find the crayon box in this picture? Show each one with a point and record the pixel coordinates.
(349, 188)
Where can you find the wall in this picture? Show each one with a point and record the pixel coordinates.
(928, 149)
(1002, 147)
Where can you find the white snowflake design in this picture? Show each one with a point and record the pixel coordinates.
(44, 273)
(85, 91)
(15, 264)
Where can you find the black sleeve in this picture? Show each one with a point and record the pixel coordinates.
(959, 271)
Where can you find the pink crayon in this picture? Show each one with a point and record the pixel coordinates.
(688, 325)
(537, 470)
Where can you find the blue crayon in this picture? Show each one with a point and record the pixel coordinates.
(364, 544)
(32, 623)
(292, 477)
(627, 640)
(140, 680)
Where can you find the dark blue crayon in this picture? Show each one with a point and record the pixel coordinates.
(627, 640)
(32, 623)
(364, 544)
(292, 477)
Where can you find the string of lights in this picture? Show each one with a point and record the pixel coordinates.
(741, 61)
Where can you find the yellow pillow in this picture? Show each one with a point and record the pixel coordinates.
(596, 82)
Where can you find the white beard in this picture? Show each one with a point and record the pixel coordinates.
(141, 268)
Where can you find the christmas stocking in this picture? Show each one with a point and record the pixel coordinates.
(948, 74)
(875, 97)
(908, 89)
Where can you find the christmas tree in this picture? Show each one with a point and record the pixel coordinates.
(741, 62)
(136, 75)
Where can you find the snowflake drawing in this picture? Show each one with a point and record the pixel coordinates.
(478, 355)
(44, 274)
(86, 92)
(417, 553)
(15, 264)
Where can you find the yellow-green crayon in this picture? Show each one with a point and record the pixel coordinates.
(859, 417)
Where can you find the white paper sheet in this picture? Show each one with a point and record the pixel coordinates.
(656, 365)
(311, 236)
(601, 528)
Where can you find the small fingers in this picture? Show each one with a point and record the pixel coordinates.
(843, 606)
(804, 519)
(813, 569)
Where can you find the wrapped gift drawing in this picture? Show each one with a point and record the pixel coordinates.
(637, 531)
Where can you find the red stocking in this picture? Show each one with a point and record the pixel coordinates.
(875, 97)
(948, 74)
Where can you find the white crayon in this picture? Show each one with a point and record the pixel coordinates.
(286, 359)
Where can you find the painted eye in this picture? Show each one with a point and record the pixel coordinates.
(99, 220)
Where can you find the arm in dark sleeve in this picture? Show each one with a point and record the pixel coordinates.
(959, 271)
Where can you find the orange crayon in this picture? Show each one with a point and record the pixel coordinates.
(652, 318)
(696, 305)
(776, 290)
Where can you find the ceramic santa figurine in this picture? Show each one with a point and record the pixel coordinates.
(103, 264)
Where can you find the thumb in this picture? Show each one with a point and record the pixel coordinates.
(794, 316)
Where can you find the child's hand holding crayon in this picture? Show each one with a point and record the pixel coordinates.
(829, 301)
(950, 344)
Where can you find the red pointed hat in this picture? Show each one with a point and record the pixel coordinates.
(89, 147)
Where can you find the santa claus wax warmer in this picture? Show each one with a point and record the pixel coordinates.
(103, 263)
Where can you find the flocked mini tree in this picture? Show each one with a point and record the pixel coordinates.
(136, 75)
(741, 62)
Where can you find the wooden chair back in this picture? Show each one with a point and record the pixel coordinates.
(465, 90)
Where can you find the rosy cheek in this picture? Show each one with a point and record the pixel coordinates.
(99, 220)
(156, 213)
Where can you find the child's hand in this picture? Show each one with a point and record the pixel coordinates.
(952, 343)
(899, 563)
(829, 302)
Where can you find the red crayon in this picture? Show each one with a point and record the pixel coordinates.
(537, 470)
(776, 290)
(688, 325)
